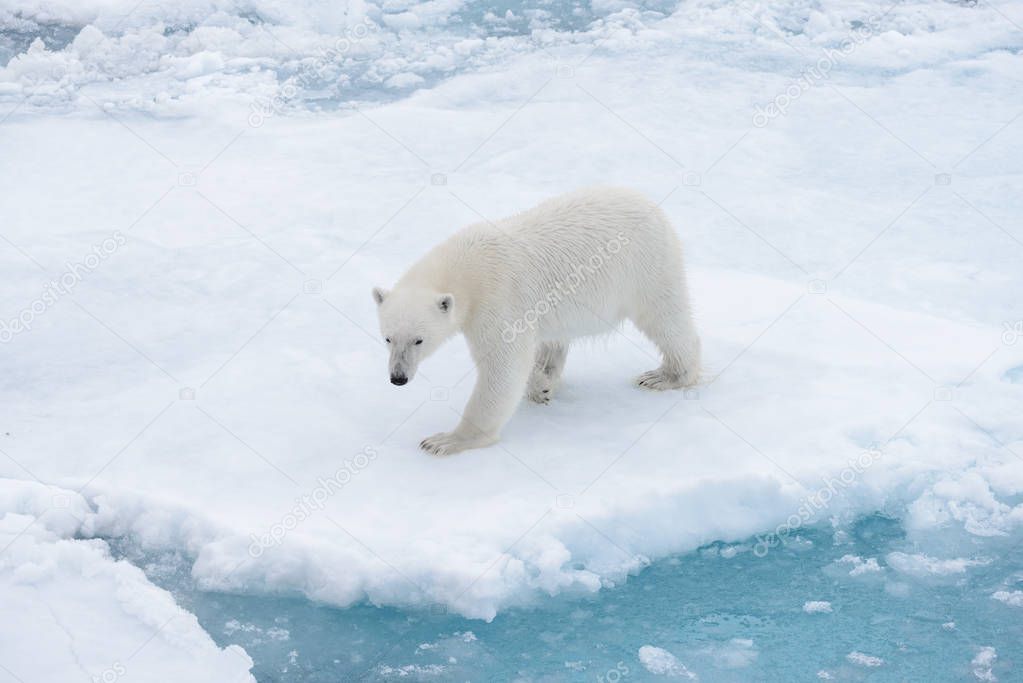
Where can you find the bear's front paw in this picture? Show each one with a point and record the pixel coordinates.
(439, 444)
(661, 380)
(449, 443)
(445, 443)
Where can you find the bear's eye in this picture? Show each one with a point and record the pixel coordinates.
(387, 339)
(419, 341)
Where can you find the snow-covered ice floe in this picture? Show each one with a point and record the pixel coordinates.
(71, 612)
(190, 356)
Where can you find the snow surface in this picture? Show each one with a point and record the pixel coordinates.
(214, 381)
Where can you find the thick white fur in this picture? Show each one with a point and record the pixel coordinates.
(490, 282)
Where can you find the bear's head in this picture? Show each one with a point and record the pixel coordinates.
(414, 324)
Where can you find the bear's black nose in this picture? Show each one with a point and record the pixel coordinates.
(399, 379)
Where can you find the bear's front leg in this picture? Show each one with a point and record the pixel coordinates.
(503, 371)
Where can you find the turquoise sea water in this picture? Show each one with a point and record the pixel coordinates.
(722, 612)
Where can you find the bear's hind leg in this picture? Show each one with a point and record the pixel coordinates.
(674, 333)
(546, 374)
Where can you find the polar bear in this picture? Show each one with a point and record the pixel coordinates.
(522, 288)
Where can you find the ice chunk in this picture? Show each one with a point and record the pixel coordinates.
(816, 606)
(660, 662)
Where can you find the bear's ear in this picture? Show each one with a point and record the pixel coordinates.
(379, 295)
(445, 302)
